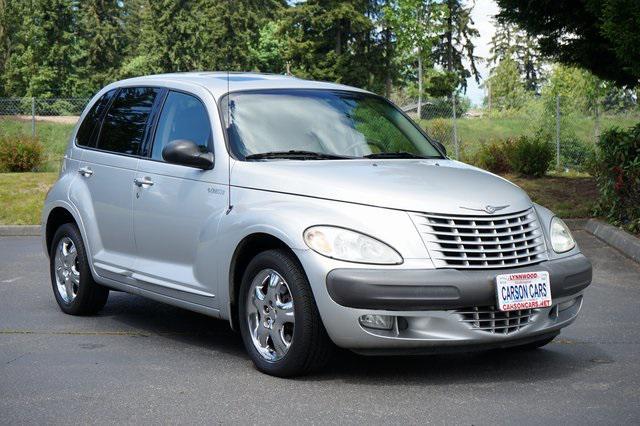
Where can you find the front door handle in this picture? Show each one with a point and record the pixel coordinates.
(143, 182)
(85, 171)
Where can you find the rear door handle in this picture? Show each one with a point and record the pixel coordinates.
(143, 182)
(85, 171)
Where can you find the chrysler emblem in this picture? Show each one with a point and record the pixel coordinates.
(487, 209)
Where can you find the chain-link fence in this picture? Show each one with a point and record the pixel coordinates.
(572, 125)
(31, 111)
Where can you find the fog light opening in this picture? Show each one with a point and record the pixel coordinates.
(379, 322)
(566, 305)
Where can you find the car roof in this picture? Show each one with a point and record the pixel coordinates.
(221, 82)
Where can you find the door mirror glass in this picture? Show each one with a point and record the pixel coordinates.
(187, 153)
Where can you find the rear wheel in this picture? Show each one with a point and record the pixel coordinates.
(279, 321)
(73, 286)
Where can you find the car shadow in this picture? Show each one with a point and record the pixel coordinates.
(559, 359)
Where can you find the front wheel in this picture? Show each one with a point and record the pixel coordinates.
(279, 321)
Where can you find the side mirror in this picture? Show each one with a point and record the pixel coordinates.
(440, 146)
(187, 153)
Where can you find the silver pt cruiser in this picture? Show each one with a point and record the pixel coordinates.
(309, 215)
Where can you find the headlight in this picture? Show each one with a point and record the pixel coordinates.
(350, 246)
(561, 239)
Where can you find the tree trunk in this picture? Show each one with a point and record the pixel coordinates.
(388, 55)
(419, 83)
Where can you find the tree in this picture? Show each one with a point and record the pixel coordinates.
(5, 41)
(42, 48)
(529, 61)
(334, 40)
(455, 45)
(510, 41)
(413, 22)
(502, 42)
(189, 35)
(578, 89)
(101, 42)
(268, 53)
(506, 88)
(598, 35)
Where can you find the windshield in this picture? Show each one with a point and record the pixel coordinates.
(319, 124)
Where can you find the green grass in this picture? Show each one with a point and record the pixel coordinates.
(22, 197)
(54, 137)
(472, 132)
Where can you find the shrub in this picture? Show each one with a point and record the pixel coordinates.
(62, 107)
(617, 171)
(439, 129)
(495, 156)
(20, 153)
(575, 154)
(531, 156)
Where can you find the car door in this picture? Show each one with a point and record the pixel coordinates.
(107, 171)
(176, 208)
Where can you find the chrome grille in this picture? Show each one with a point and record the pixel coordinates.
(482, 242)
(490, 320)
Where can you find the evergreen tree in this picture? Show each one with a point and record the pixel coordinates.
(502, 42)
(5, 41)
(188, 35)
(336, 41)
(101, 44)
(510, 41)
(529, 61)
(42, 48)
(455, 45)
(599, 35)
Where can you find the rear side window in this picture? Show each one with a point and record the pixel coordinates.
(88, 130)
(124, 126)
(183, 117)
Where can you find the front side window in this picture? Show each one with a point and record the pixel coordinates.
(88, 130)
(329, 124)
(183, 117)
(124, 126)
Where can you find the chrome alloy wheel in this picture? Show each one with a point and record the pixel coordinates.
(270, 314)
(66, 269)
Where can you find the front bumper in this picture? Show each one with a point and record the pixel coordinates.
(413, 289)
(426, 305)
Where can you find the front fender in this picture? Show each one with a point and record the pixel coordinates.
(286, 216)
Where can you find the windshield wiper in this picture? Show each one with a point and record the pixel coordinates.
(399, 154)
(295, 154)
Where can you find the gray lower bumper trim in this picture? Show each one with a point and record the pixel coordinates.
(424, 289)
(449, 349)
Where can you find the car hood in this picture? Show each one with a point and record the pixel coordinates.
(434, 186)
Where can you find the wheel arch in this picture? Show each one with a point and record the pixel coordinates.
(57, 217)
(247, 249)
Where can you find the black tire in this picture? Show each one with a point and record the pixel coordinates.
(311, 347)
(90, 296)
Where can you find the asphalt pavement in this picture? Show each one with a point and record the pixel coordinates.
(142, 362)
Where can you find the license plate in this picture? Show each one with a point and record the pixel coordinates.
(523, 290)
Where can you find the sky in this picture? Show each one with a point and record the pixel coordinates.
(482, 14)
